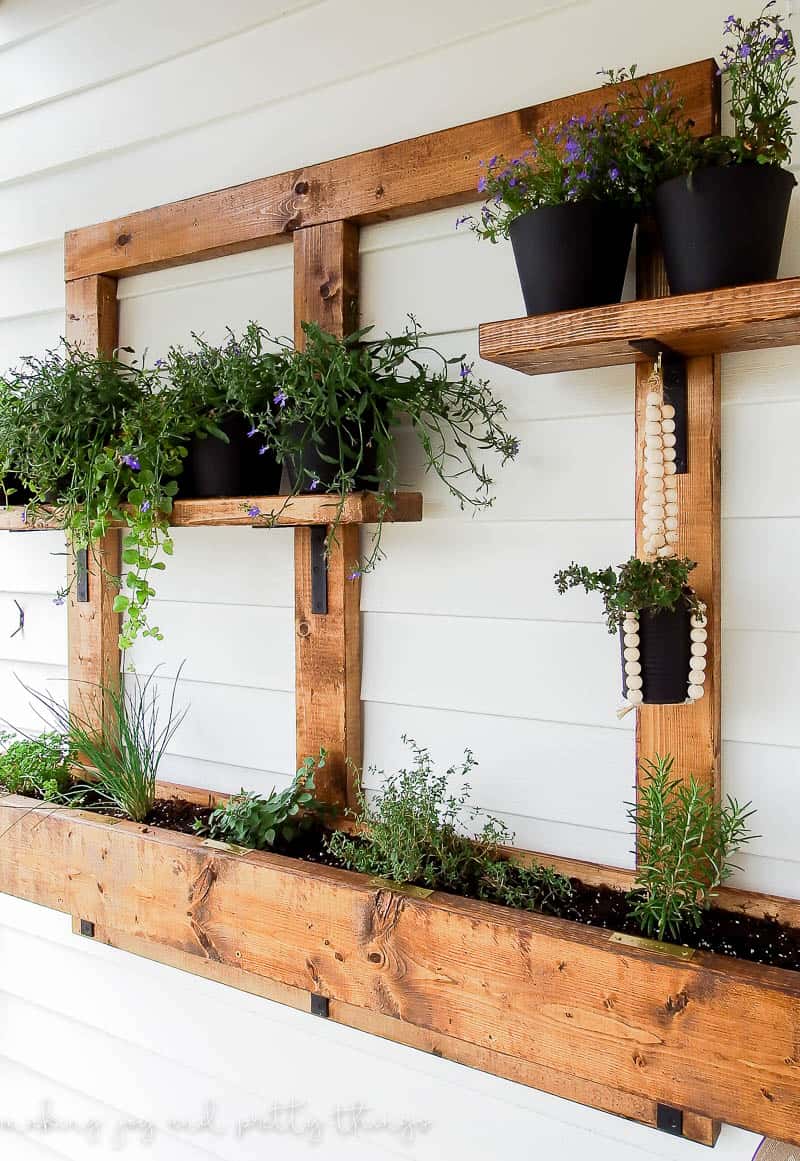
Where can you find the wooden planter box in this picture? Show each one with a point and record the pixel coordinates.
(551, 1003)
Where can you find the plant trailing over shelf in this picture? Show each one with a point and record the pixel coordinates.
(686, 841)
(635, 586)
(339, 400)
(568, 203)
(121, 763)
(35, 765)
(250, 820)
(415, 830)
(727, 179)
(91, 438)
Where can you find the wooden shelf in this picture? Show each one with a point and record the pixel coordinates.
(359, 508)
(737, 318)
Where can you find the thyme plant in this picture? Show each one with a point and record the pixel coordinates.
(686, 841)
(39, 765)
(415, 830)
(637, 585)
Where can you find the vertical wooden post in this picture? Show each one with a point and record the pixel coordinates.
(328, 645)
(93, 626)
(691, 733)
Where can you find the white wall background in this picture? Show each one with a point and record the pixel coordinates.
(108, 106)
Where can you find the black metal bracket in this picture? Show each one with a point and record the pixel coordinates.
(87, 928)
(319, 569)
(21, 613)
(676, 392)
(320, 1005)
(669, 1120)
(82, 576)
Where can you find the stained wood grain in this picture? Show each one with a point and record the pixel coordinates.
(736, 318)
(714, 1036)
(328, 645)
(360, 508)
(425, 173)
(93, 626)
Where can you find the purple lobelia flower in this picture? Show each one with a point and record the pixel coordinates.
(281, 398)
(130, 461)
(254, 511)
(145, 506)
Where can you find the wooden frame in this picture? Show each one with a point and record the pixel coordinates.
(559, 1006)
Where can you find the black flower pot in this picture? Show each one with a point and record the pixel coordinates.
(313, 468)
(723, 226)
(572, 256)
(237, 468)
(664, 654)
(12, 491)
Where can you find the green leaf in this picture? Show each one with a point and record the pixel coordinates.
(121, 604)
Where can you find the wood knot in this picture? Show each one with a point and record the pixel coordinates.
(303, 629)
(608, 1003)
(677, 1004)
(639, 1060)
(767, 1095)
(375, 957)
(123, 239)
(327, 291)
(302, 187)
(380, 191)
(292, 224)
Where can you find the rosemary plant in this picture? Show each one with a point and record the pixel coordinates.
(685, 844)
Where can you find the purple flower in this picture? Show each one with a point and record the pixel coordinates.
(355, 574)
(24, 515)
(461, 221)
(466, 370)
(314, 484)
(131, 462)
(482, 185)
(58, 600)
(159, 362)
(744, 51)
(145, 506)
(253, 431)
(573, 149)
(262, 451)
(281, 398)
(613, 173)
(493, 162)
(254, 510)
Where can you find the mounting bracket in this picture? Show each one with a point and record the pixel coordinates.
(82, 576)
(320, 1005)
(676, 393)
(669, 1120)
(319, 569)
(87, 928)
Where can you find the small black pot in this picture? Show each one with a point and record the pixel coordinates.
(723, 226)
(12, 491)
(572, 256)
(664, 653)
(215, 468)
(310, 465)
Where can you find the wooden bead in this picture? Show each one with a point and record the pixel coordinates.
(671, 510)
(668, 426)
(672, 537)
(669, 454)
(666, 551)
(698, 621)
(635, 697)
(633, 682)
(652, 427)
(671, 522)
(653, 399)
(697, 677)
(653, 455)
(697, 663)
(671, 496)
(669, 440)
(654, 485)
(633, 668)
(652, 411)
(654, 508)
(654, 471)
(631, 640)
(669, 469)
(699, 649)
(653, 441)
(698, 635)
(631, 654)
(695, 692)
(667, 411)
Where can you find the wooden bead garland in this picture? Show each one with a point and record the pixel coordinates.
(698, 636)
(633, 667)
(660, 527)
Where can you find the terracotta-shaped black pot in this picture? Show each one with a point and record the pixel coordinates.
(317, 465)
(572, 256)
(664, 654)
(723, 226)
(214, 468)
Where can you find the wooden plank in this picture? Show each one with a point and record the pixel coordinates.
(359, 508)
(328, 645)
(425, 173)
(714, 1036)
(736, 318)
(92, 625)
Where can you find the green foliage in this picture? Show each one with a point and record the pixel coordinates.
(617, 154)
(685, 844)
(637, 585)
(90, 437)
(757, 66)
(39, 766)
(415, 830)
(344, 397)
(248, 820)
(122, 761)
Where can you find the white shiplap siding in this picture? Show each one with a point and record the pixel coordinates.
(107, 107)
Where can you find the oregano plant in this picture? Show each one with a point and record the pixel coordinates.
(635, 586)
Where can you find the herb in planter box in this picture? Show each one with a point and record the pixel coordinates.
(728, 180)
(214, 391)
(37, 766)
(686, 841)
(569, 203)
(416, 830)
(339, 400)
(91, 438)
(661, 624)
(250, 820)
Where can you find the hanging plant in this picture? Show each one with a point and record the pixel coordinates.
(337, 403)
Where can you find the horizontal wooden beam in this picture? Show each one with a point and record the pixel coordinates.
(358, 508)
(714, 1036)
(736, 318)
(425, 173)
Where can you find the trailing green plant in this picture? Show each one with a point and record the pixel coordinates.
(616, 154)
(39, 766)
(685, 843)
(342, 398)
(415, 830)
(250, 820)
(659, 585)
(92, 439)
(122, 760)
(757, 67)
